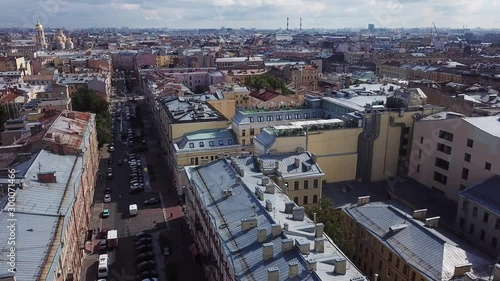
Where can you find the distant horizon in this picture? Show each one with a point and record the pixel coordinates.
(248, 14)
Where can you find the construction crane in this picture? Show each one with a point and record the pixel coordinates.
(437, 34)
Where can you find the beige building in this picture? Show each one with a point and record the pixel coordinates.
(451, 153)
(239, 63)
(15, 63)
(304, 76)
(397, 246)
(478, 216)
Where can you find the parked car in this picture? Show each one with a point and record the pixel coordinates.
(107, 190)
(103, 234)
(105, 213)
(110, 170)
(141, 235)
(143, 249)
(151, 201)
(110, 176)
(140, 243)
(107, 198)
(120, 162)
(111, 149)
(144, 257)
(146, 265)
(103, 245)
(146, 274)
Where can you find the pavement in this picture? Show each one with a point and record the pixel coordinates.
(163, 222)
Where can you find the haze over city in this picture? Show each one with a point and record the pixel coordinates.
(261, 14)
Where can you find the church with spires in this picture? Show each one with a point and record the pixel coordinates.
(59, 41)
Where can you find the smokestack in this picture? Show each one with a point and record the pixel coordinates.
(286, 23)
(300, 24)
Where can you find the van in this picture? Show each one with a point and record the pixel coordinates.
(133, 209)
(102, 270)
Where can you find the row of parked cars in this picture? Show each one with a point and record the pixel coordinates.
(144, 258)
(136, 174)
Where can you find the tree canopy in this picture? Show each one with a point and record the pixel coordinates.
(86, 100)
(267, 81)
(335, 228)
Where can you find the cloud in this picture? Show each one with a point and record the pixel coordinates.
(248, 13)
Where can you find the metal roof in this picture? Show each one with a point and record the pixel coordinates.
(206, 139)
(485, 194)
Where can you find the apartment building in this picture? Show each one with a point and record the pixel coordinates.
(357, 57)
(54, 200)
(478, 216)
(249, 230)
(451, 152)
(230, 96)
(398, 246)
(15, 63)
(99, 82)
(240, 63)
(304, 76)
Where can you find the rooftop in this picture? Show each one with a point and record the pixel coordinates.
(70, 128)
(191, 109)
(206, 139)
(485, 194)
(238, 59)
(264, 95)
(428, 251)
(488, 124)
(242, 247)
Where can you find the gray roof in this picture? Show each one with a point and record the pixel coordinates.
(191, 109)
(485, 194)
(206, 139)
(287, 166)
(425, 249)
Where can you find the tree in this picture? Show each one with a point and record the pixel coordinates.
(335, 228)
(86, 100)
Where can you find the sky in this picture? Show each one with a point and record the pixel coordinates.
(261, 14)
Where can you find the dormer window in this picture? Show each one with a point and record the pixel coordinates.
(191, 145)
(211, 143)
(229, 142)
(202, 144)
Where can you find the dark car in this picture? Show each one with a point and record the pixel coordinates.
(141, 235)
(103, 234)
(144, 257)
(146, 274)
(120, 162)
(143, 248)
(146, 265)
(107, 190)
(140, 243)
(151, 201)
(103, 245)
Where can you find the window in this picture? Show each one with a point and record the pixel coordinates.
(421, 139)
(305, 200)
(465, 173)
(192, 161)
(314, 114)
(270, 118)
(306, 184)
(296, 200)
(481, 237)
(497, 224)
(202, 144)
(462, 222)
(307, 115)
(464, 205)
(389, 273)
(467, 157)
(474, 212)
(418, 168)
(288, 117)
(229, 142)
(191, 145)
(487, 166)
(252, 131)
(494, 242)
(470, 143)
(243, 133)
(221, 142)
(413, 275)
(419, 153)
(279, 117)
(251, 119)
(211, 143)
(486, 216)
(445, 135)
(390, 257)
(315, 183)
(297, 116)
(462, 187)
(397, 263)
(380, 265)
(243, 142)
(260, 119)
(405, 269)
(471, 228)
(381, 249)
(440, 178)
(441, 163)
(296, 185)
(315, 198)
(444, 148)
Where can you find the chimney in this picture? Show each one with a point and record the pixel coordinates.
(496, 272)
(270, 188)
(298, 213)
(70, 114)
(470, 277)
(314, 158)
(297, 163)
(311, 264)
(420, 214)
(363, 200)
(340, 266)
(248, 223)
(293, 269)
(275, 229)
(319, 244)
(286, 23)
(259, 193)
(261, 234)
(48, 135)
(285, 226)
(48, 177)
(273, 274)
(375, 277)
(265, 180)
(300, 24)
(267, 251)
(318, 230)
(286, 245)
(460, 270)
(277, 165)
(261, 165)
(432, 222)
(238, 180)
(289, 207)
(303, 246)
(269, 205)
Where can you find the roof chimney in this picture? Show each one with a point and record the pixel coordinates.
(293, 269)
(340, 265)
(297, 163)
(319, 244)
(432, 222)
(275, 229)
(304, 246)
(318, 230)
(277, 165)
(273, 274)
(460, 270)
(286, 245)
(420, 214)
(248, 223)
(298, 213)
(311, 265)
(267, 251)
(314, 158)
(261, 234)
(265, 180)
(363, 200)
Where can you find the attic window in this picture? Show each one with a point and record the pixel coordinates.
(191, 145)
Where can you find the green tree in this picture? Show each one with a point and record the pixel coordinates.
(86, 100)
(335, 228)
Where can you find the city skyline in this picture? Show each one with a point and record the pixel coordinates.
(261, 14)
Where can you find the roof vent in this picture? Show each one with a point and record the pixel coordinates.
(293, 269)
(298, 213)
(248, 223)
(340, 265)
(267, 251)
(363, 200)
(226, 193)
(397, 227)
(289, 207)
(420, 214)
(273, 274)
(432, 222)
(358, 278)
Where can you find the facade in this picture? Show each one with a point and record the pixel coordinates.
(54, 201)
(249, 230)
(99, 82)
(304, 76)
(451, 153)
(240, 63)
(478, 216)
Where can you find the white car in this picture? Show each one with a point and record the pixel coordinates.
(111, 149)
(107, 198)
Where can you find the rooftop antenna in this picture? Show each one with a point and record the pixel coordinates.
(300, 29)
(286, 23)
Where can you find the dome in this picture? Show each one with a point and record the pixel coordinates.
(68, 40)
(38, 26)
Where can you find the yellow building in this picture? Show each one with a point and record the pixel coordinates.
(304, 76)
(397, 246)
(162, 61)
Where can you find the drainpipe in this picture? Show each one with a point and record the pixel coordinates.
(402, 125)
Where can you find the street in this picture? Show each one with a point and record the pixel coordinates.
(150, 219)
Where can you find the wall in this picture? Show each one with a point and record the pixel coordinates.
(225, 107)
(299, 195)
